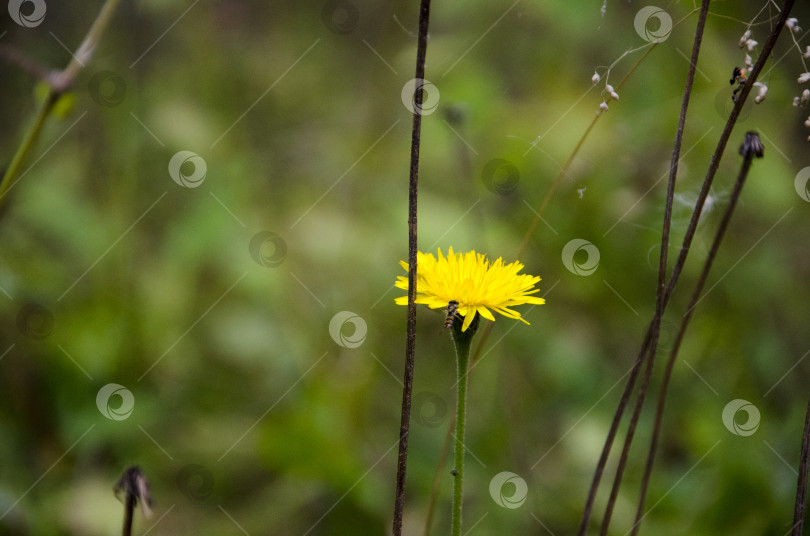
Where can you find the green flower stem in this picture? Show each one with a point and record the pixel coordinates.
(59, 82)
(463, 341)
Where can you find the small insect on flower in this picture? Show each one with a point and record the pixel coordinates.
(740, 76)
(452, 307)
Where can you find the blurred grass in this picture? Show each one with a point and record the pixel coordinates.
(243, 351)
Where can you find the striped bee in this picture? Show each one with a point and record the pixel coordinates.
(452, 307)
(741, 77)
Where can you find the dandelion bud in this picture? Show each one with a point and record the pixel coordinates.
(744, 38)
(751, 44)
(595, 78)
(804, 77)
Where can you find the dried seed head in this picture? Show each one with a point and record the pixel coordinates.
(793, 24)
(763, 90)
(745, 38)
(748, 62)
(752, 145)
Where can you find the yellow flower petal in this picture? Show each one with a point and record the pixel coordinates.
(471, 280)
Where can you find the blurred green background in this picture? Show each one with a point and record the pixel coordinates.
(212, 304)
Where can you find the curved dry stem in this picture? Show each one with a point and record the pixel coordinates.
(748, 156)
(655, 326)
(647, 347)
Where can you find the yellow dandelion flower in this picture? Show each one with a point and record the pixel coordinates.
(471, 280)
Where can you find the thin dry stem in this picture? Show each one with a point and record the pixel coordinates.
(410, 341)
